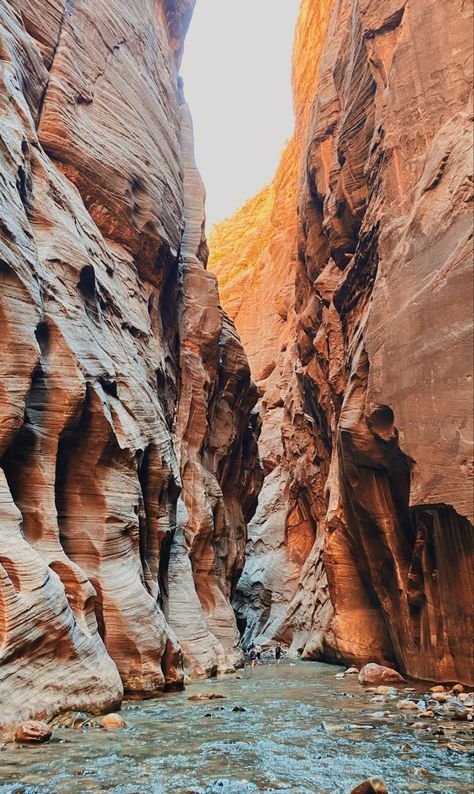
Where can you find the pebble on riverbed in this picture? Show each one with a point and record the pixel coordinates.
(458, 748)
(406, 705)
(211, 696)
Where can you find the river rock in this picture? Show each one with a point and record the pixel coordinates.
(455, 747)
(440, 697)
(33, 731)
(406, 705)
(352, 671)
(419, 771)
(112, 722)
(437, 688)
(205, 696)
(467, 699)
(385, 690)
(378, 674)
(374, 786)
(457, 689)
(456, 710)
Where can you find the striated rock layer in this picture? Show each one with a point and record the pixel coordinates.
(128, 465)
(372, 370)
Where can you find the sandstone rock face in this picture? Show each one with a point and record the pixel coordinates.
(126, 394)
(382, 365)
(254, 254)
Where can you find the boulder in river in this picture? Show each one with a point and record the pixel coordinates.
(374, 786)
(33, 731)
(378, 674)
(112, 722)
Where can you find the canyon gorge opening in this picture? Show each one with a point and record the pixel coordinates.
(265, 435)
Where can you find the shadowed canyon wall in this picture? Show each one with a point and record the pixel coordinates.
(349, 280)
(128, 458)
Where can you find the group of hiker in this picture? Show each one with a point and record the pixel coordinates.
(255, 653)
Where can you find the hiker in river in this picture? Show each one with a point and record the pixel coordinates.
(258, 651)
(252, 656)
(278, 653)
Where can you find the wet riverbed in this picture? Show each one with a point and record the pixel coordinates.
(303, 731)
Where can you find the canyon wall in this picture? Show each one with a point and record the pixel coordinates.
(127, 447)
(362, 546)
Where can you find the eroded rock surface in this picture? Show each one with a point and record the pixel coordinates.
(376, 407)
(126, 394)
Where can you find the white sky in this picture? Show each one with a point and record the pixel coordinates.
(237, 80)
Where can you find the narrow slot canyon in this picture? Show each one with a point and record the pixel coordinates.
(227, 432)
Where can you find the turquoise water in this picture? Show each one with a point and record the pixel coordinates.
(303, 731)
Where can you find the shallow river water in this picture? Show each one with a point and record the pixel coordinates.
(303, 731)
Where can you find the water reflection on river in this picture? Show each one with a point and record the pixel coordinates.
(303, 731)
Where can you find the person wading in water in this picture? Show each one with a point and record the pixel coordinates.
(252, 656)
(278, 653)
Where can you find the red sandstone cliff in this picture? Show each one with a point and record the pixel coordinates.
(126, 451)
(365, 378)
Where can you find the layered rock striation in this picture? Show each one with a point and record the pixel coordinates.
(128, 464)
(375, 437)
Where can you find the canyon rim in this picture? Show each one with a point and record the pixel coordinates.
(156, 503)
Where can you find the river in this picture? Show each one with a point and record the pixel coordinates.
(303, 731)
